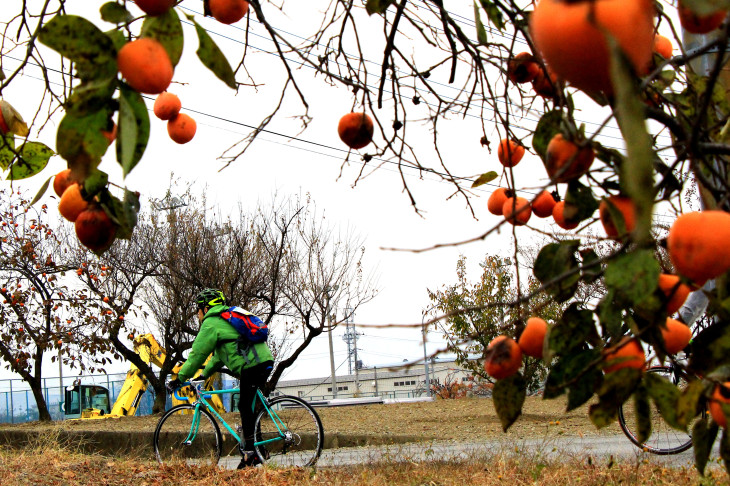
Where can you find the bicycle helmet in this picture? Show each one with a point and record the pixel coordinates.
(210, 298)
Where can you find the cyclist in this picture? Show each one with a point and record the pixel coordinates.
(253, 363)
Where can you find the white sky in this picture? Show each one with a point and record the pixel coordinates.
(376, 208)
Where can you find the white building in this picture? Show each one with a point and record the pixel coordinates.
(398, 381)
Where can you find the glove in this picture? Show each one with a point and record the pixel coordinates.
(172, 386)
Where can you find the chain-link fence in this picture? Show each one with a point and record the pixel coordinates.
(17, 403)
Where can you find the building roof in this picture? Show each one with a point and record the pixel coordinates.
(369, 374)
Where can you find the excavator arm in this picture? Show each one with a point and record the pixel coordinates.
(149, 350)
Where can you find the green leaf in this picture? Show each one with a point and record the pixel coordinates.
(572, 331)
(601, 416)
(547, 127)
(636, 174)
(7, 150)
(117, 38)
(134, 129)
(122, 213)
(167, 30)
(582, 390)
(213, 58)
(665, 79)
(481, 31)
(689, 403)
(567, 369)
(557, 267)
(611, 315)
(95, 182)
(709, 349)
(633, 276)
(666, 397)
(79, 138)
(485, 178)
(617, 387)
(579, 202)
(642, 409)
(33, 159)
(704, 433)
(115, 13)
(494, 14)
(509, 396)
(93, 96)
(610, 156)
(377, 6)
(591, 268)
(83, 43)
(41, 191)
(131, 209)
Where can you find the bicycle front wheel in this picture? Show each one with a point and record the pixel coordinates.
(289, 434)
(664, 440)
(184, 436)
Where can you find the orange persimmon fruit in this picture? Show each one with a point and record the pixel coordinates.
(532, 339)
(628, 354)
(145, 65)
(503, 357)
(356, 130)
(570, 37)
(698, 245)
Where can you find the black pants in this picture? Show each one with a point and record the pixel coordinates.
(251, 379)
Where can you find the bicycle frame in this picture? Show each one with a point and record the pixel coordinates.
(201, 401)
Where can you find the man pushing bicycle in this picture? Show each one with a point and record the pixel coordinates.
(251, 361)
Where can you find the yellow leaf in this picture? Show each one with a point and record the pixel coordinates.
(13, 119)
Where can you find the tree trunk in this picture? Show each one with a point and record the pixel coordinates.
(40, 400)
(160, 399)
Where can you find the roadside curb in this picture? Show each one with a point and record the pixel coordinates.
(140, 443)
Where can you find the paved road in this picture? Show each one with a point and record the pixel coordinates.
(600, 448)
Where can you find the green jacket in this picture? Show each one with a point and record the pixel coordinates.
(217, 336)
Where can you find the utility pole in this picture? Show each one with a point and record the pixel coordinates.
(357, 365)
(350, 338)
(332, 360)
(425, 354)
(328, 294)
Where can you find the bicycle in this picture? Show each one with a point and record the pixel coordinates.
(664, 440)
(288, 431)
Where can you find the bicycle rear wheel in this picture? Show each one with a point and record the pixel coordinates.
(664, 440)
(294, 431)
(177, 440)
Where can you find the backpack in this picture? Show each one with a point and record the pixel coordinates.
(251, 328)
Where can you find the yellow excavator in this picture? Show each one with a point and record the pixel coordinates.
(92, 401)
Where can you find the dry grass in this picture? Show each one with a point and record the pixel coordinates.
(52, 465)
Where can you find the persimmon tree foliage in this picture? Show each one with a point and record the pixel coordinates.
(479, 311)
(435, 64)
(43, 316)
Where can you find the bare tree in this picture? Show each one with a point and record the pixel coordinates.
(323, 269)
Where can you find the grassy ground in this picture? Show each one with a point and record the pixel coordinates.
(45, 462)
(443, 419)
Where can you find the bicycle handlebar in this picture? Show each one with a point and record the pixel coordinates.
(197, 385)
(182, 385)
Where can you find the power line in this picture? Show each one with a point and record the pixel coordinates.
(296, 138)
